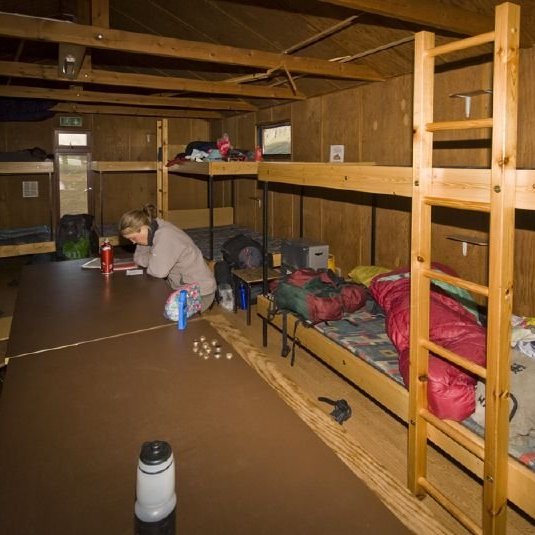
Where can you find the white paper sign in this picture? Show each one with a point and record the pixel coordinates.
(337, 154)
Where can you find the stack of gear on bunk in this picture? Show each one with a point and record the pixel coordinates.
(454, 326)
(210, 151)
(76, 237)
(314, 296)
(317, 295)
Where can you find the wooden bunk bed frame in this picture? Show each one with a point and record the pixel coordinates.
(186, 218)
(28, 168)
(201, 217)
(498, 191)
(102, 167)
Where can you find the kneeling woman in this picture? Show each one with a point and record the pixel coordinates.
(167, 252)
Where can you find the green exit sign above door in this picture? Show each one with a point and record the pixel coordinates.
(70, 121)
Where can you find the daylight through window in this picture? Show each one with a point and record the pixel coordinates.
(276, 139)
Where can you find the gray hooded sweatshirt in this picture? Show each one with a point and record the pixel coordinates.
(172, 255)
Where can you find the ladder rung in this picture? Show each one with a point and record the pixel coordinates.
(465, 124)
(448, 430)
(452, 357)
(475, 206)
(456, 281)
(464, 519)
(462, 44)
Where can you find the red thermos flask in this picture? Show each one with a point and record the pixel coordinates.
(106, 258)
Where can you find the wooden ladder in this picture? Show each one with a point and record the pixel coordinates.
(499, 292)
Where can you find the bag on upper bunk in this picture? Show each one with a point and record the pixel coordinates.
(316, 295)
(76, 237)
(242, 251)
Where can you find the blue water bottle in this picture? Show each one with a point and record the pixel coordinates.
(243, 297)
(182, 309)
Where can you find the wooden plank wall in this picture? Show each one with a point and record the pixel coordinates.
(123, 139)
(115, 138)
(374, 122)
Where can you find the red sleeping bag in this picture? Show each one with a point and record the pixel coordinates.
(451, 391)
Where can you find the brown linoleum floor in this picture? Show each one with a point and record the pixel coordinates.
(382, 435)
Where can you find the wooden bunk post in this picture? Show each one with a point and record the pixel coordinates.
(211, 213)
(162, 178)
(500, 290)
(501, 259)
(265, 262)
(420, 256)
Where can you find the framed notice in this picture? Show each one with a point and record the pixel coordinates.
(337, 154)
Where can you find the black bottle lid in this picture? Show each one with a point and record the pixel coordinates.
(155, 452)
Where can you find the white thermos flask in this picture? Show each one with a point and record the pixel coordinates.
(155, 486)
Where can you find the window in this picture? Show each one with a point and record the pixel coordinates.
(73, 189)
(72, 139)
(276, 140)
(73, 183)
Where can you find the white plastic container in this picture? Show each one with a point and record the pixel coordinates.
(226, 296)
(155, 485)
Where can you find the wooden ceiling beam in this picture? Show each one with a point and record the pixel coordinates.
(39, 29)
(121, 98)
(66, 107)
(425, 12)
(148, 81)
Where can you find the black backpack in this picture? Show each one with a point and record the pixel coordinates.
(242, 251)
(222, 273)
(76, 237)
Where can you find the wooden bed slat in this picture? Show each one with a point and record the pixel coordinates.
(197, 218)
(24, 168)
(27, 248)
(215, 168)
(110, 167)
(462, 184)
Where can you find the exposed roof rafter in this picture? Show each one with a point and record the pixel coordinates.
(39, 29)
(121, 98)
(140, 112)
(425, 12)
(147, 81)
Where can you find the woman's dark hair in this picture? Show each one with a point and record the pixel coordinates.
(132, 221)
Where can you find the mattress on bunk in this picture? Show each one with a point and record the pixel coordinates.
(363, 334)
(201, 237)
(22, 235)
